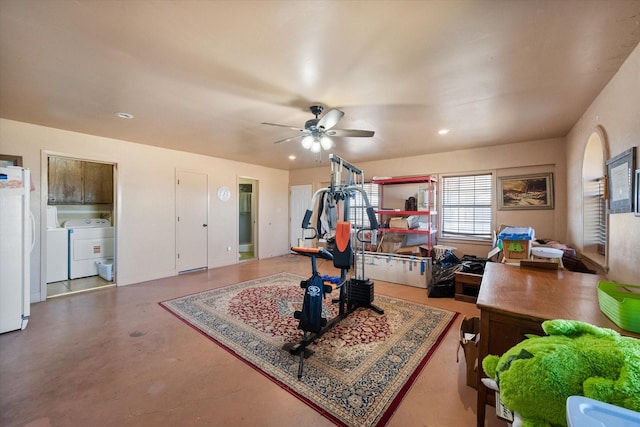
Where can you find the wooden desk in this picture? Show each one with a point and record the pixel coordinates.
(514, 301)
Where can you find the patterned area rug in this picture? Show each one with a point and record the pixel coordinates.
(361, 368)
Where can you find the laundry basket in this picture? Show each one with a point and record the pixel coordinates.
(439, 251)
(105, 270)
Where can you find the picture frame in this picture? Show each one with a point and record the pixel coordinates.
(620, 182)
(637, 198)
(8, 160)
(525, 192)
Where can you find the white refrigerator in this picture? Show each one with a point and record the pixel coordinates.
(16, 243)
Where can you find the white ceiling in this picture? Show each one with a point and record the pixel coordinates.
(201, 76)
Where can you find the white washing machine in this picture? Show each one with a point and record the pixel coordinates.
(57, 248)
(90, 242)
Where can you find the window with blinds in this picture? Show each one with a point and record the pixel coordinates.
(357, 215)
(467, 206)
(595, 215)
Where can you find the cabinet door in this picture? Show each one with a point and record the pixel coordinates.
(98, 183)
(65, 181)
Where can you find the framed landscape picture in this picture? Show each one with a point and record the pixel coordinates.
(525, 191)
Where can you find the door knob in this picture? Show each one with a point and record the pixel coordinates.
(204, 225)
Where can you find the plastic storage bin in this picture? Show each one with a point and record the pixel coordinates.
(515, 242)
(403, 269)
(105, 270)
(516, 233)
(619, 305)
(544, 252)
(585, 412)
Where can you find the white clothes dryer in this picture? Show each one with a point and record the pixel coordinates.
(57, 255)
(90, 242)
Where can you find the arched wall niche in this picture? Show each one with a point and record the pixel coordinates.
(594, 214)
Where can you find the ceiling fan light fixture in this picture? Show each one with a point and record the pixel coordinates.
(315, 147)
(307, 142)
(326, 143)
(317, 132)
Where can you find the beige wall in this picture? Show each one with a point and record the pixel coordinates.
(505, 160)
(617, 111)
(145, 216)
(146, 189)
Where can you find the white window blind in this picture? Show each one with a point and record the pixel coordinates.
(357, 214)
(467, 206)
(595, 216)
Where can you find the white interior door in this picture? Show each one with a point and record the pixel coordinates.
(299, 202)
(192, 216)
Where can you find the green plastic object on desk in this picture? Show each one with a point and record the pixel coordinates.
(515, 246)
(621, 304)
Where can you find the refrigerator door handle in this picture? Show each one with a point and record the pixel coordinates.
(33, 231)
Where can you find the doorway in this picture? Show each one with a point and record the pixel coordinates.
(299, 200)
(247, 213)
(78, 236)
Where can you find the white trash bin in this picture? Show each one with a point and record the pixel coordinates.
(105, 270)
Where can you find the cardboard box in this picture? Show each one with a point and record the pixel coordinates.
(424, 251)
(516, 249)
(419, 250)
(469, 340)
(399, 223)
(409, 250)
(389, 247)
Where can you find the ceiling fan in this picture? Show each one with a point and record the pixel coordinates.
(317, 132)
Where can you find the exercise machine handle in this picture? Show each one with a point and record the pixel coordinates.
(305, 225)
(373, 220)
(307, 219)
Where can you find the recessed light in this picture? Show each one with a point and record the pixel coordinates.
(443, 131)
(124, 115)
(292, 157)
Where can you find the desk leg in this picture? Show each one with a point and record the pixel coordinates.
(482, 404)
(483, 350)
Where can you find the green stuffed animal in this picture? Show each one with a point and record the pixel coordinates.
(536, 376)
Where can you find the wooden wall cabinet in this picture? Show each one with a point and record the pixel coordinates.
(98, 183)
(74, 182)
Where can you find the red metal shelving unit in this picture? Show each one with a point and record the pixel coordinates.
(431, 190)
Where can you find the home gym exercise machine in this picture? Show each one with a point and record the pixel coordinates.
(355, 292)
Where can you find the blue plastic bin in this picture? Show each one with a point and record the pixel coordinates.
(516, 233)
(585, 412)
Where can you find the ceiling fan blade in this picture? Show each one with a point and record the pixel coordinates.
(351, 133)
(288, 139)
(330, 119)
(283, 126)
